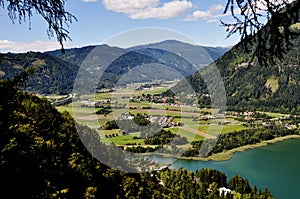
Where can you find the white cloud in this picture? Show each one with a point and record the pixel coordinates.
(17, 47)
(145, 9)
(129, 6)
(89, 1)
(168, 10)
(217, 7)
(201, 14)
(213, 12)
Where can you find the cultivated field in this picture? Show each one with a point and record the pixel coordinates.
(188, 121)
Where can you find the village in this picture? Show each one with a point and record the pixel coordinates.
(118, 116)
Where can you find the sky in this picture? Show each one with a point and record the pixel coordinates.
(109, 21)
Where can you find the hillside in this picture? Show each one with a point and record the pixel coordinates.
(176, 62)
(197, 55)
(251, 86)
(42, 156)
(92, 58)
(146, 65)
(56, 71)
(53, 75)
(177, 59)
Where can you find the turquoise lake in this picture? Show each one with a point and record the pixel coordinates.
(276, 166)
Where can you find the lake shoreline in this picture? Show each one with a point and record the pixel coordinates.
(226, 155)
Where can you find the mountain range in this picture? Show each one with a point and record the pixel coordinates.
(57, 71)
(248, 84)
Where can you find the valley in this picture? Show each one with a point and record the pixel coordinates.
(147, 99)
(141, 118)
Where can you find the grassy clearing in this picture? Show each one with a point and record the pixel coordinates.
(76, 109)
(103, 121)
(124, 139)
(155, 91)
(276, 115)
(213, 129)
(272, 83)
(139, 104)
(110, 132)
(187, 121)
(157, 112)
(187, 134)
(67, 108)
(230, 128)
(84, 115)
(97, 96)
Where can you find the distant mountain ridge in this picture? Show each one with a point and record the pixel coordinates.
(144, 65)
(198, 55)
(57, 71)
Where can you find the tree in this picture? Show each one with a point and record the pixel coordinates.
(239, 184)
(264, 24)
(52, 11)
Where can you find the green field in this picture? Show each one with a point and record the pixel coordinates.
(276, 115)
(85, 115)
(187, 134)
(76, 109)
(226, 128)
(124, 139)
(188, 115)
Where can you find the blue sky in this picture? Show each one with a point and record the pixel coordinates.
(100, 20)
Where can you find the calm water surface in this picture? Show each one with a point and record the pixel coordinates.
(276, 166)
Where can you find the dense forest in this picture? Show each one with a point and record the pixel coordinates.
(52, 75)
(43, 157)
(252, 86)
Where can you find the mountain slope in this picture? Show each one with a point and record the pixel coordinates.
(197, 55)
(250, 86)
(57, 72)
(171, 59)
(53, 75)
(151, 61)
(42, 156)
(146, 65)
(92, 58)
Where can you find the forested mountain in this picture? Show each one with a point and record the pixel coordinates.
(53, 75)
(251, 86)
(91, 58)
(43, 157)
(56, 71)
(175, 58)
(174, 61)
(197, 55)
(73, 55)
(146, 65)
